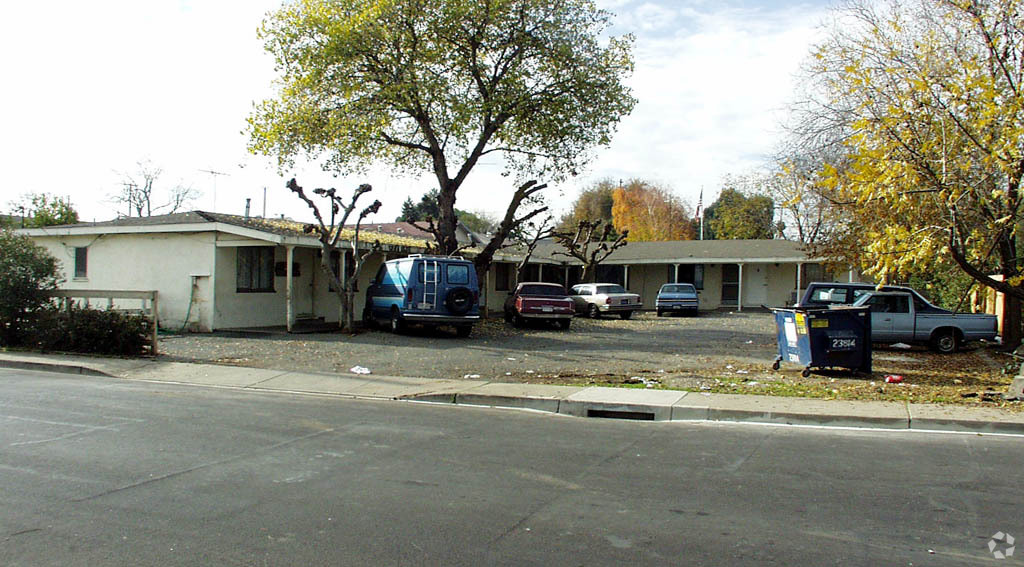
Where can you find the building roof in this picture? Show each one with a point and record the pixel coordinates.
(547, 251)
(690, 252)
(193, 221)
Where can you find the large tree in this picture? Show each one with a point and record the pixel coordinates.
(735, 215)
(594, 203)
(930, 92)
(43, 209)
(651, 213)
(142, 197)
(434, 86)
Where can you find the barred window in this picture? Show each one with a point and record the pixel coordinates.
(255, 273)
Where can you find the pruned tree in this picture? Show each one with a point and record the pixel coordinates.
(590, 245)
(426, 86)
(139, 192)
(931, 94)
(526, 240)
(330, 236)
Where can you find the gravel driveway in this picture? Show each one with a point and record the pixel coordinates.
(609, 347)
(718, 352)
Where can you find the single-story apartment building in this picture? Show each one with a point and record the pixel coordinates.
(215, 271)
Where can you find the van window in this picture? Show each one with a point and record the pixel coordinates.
(427, 272)
(458, 274)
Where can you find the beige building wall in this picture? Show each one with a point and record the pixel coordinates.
(170, 263)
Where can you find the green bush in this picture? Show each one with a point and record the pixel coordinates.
(88, 330)
(28, 273)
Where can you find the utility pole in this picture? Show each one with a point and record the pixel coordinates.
(214, 175)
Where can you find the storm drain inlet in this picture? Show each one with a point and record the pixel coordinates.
(614, 414)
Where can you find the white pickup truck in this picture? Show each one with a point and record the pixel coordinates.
(895, 317)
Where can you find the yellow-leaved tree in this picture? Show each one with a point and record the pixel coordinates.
(928, 97)
(650, 213)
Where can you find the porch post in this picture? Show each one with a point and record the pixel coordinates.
(625, 276)
(739, 291)
(342, 270)
(486, 291)
(675, 278)
(290, 307)
(799, 282)
(540, 272)
(567, 276)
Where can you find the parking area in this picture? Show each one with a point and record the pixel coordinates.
(714, 352)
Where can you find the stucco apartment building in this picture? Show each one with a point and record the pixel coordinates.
(215, 271)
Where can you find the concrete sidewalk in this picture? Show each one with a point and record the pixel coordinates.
(623, 403)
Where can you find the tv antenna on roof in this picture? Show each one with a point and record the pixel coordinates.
(214, 174)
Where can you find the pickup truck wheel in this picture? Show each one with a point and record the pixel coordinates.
(626, 314)
(945, 341)
(517, 320)
(564, 324)
(593, 312)
(397, 324)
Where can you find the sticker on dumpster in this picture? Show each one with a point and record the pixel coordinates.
(790, 333)
(801, 324)
(819, 323)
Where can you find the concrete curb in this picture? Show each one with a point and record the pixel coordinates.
(54, 367)
(603, 402)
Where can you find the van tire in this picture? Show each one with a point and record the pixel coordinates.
(397, 323)
(368, 322)
(459, 301)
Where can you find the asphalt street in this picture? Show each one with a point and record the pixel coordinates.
(100, 471)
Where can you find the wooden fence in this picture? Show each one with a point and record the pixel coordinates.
(148, 307)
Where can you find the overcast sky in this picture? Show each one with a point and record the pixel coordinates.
(92, 88)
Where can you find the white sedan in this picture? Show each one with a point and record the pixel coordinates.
(596, 299)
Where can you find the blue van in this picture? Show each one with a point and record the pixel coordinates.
(428, 290)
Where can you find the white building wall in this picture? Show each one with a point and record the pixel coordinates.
(142, 262)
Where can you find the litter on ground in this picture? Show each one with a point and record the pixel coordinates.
(359, 370)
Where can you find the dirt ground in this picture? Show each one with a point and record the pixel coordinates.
(714, 352)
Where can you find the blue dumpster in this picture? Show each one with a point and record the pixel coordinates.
(837, 337)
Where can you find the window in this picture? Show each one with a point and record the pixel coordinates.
(458, 274)
(502, 276)
(688, 273)
(255, 269)
(81, 262)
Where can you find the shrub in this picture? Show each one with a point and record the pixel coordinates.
(28, 273)
(88, 330)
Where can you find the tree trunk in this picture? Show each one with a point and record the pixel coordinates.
(446, 224)
(1011, 321)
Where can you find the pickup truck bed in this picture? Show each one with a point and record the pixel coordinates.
(895, 318)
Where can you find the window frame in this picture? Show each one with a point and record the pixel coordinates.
(261, 258)
(81, 267)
